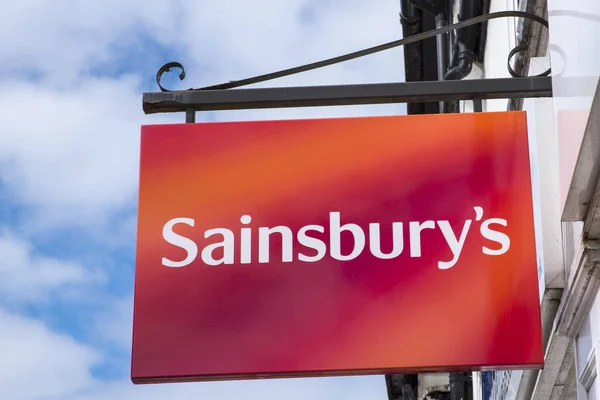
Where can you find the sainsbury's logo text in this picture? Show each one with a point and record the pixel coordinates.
(227, 244)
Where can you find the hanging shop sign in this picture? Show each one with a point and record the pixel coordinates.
(334, 247)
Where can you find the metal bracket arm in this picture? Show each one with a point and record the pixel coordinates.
(375, 93)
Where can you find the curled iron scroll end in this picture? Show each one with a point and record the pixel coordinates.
(167, 68)
(521, 48)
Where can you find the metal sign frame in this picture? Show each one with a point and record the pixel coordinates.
(190, 101)
(225, 96)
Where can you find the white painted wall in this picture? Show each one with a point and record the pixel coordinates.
(575, 52)
(546, 186)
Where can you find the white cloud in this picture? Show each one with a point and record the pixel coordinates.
(77, 151)
(36, 363)
(236, 39)
(27, 276)
(114, 324)
(64, 39)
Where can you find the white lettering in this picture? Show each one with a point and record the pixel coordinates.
(478, 213)
(495, 236)
(211, 253)
(180, 241)
(375, 241)
(245, 241)
(455, 244)
(263, 243)
(227, 244)
(415, 229)
(335, 232)
(312, 243)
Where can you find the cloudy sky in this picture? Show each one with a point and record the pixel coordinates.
(71, 78)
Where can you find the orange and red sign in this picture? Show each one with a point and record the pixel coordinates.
(335, 246)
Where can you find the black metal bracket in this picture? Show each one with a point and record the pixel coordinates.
(376, 93)
(224, 97)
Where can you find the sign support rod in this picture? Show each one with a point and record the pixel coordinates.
(189, 101)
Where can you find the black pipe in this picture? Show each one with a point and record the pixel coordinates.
(433, 7)
(420, 59)
(466, 41)
(410, 19)
(440, 10)
(402, 386)
(441, 20)
(442, 43)
(464, 64)
(461, 386)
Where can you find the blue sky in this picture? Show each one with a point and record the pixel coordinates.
(71, 78)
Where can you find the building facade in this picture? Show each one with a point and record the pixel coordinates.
(565, 153)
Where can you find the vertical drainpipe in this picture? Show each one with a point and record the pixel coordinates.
(440, 11)
(410, 19)
(442, 41)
